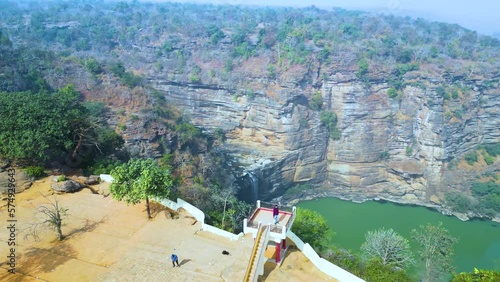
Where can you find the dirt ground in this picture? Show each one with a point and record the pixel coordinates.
(106, 240)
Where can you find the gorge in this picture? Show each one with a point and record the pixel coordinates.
(407, 99)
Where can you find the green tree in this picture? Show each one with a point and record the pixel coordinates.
(225, 210)
(214, 33)
(38, 126)
(138, 180)
(187, 133)
(436, 250)
(391, 248)
(311, 227)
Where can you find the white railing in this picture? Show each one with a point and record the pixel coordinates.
(198, 215)
(322, 264)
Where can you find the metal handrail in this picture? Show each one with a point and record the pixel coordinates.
(256, 245)
(271, 205)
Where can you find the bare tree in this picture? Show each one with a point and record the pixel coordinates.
(47, 216)
(389, 246)
(436, 250)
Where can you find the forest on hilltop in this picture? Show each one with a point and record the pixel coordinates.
(206, 42)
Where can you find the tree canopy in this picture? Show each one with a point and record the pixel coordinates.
(138, 180)
(391, 248)
(40, 125)
(36, 126)
(311, 227)
(436, 250)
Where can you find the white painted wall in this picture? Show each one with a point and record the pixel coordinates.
(198, 215)
(322, 264)
(220, 232)
(106, 178)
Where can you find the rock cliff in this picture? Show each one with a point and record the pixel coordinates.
(396, 149)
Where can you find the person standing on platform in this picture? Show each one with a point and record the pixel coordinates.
(276, 214)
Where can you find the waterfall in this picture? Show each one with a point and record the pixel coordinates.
(254, 184)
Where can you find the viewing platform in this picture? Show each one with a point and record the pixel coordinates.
(263, 214)
(270, 237)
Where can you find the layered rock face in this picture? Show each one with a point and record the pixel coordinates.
(392, 148)
(278, 139)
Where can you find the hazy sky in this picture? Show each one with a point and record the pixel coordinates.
(480, 15)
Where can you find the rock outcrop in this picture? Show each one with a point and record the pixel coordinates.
(22, 180)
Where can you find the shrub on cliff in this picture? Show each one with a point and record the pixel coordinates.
(458, 201)
(471, 157)
(493, 149)
(479, 275)
(316, 102)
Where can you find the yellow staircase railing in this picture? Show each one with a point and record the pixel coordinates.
(258, 248)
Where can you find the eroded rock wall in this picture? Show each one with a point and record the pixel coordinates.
(391, 148)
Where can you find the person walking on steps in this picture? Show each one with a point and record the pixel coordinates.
(276, 214)
(175, 260)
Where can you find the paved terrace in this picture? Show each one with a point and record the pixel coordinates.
(265, 215)
(110, 241)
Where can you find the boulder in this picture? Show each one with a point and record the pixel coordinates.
(22, 179)
(82, 179)
(92, 180)
(67, 186)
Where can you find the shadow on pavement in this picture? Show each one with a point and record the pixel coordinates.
(184, 261)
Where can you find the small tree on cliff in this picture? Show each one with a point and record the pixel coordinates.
(140, 180)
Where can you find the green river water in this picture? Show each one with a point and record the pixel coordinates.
(479, 241)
